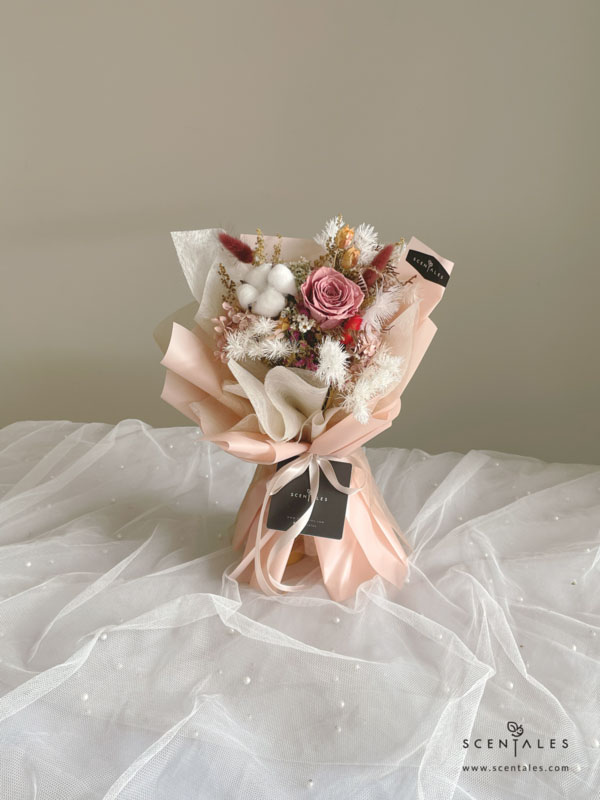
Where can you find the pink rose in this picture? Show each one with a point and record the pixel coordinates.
(330, 297)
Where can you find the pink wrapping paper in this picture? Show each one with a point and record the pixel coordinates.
(371, 543)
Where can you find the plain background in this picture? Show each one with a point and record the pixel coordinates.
(472, 125)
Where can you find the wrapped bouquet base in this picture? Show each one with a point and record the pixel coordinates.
(300, 352)
(370, 544)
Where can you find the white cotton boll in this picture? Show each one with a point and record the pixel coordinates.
(258, 276)
(333, 361)
(282, 279)
(269, 303)
(246, 294)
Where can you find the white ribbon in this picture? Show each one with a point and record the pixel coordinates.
(293, 469)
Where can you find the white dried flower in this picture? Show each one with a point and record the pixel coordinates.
(333, 363)
(329, 232)
(376, 380)
(274, 348)
(367, 241)
(382, 309)
(236, 344)
(304, 323)
(262, 326)
(409, 294)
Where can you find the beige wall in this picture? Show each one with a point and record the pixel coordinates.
(470, 124)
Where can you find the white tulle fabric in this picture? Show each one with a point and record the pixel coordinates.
(133, 669)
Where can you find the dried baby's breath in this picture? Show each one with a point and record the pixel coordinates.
(259, 250)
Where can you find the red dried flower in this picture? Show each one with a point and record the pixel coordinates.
(241, 251)
(352, 324)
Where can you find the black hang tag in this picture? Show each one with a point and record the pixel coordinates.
(329, 513)
(428, 266)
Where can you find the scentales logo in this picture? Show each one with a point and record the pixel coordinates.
(516, 744)
(428, 266)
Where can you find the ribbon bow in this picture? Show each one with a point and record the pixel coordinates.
(293, 469)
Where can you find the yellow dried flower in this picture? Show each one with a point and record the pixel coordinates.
(344, 237)
(350, 258)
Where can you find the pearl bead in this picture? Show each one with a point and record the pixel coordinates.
(122, 466)
(28, 563)
(556, 517)
(196, 734)
(336, 678)
(357, 666)
(460, 519)
(338, 728)
(103, 637)
(573, 582)
(85, 697)
(171, 446)
(595, 743)
(509, 685)
(574, 647)
(247, 680)
(231, 631)
(119, 665)
(336, 620)
(342, 703)
(594, 634)
(51, 561)
(440, 636)
(310, 783)
(113, 499)
(577, 767)
(520, 599)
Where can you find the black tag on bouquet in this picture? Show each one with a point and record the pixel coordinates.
(329, 513)
(428, 266)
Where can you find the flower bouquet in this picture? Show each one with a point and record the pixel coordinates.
(299, 354)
